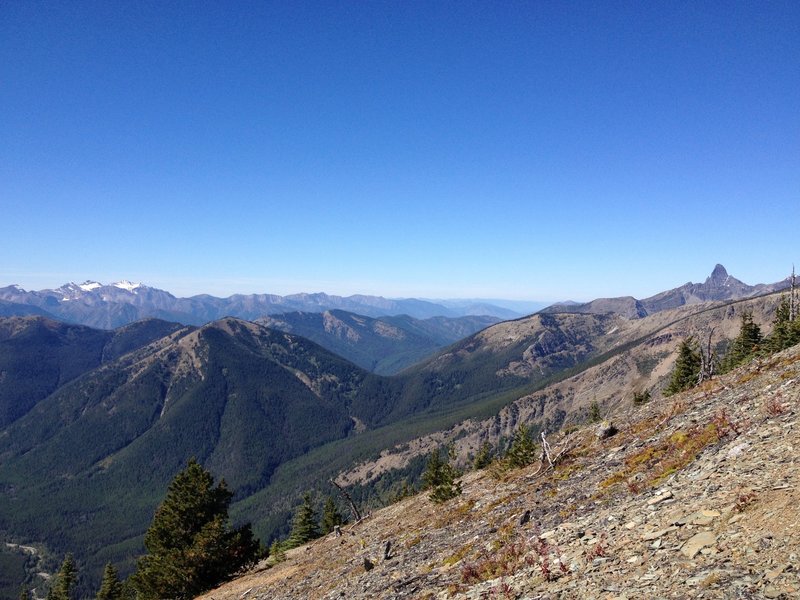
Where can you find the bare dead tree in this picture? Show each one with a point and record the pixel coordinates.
(706, 361)
(546, 450)
(356, 514)
(567, 444)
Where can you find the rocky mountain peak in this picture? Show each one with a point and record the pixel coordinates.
(718, 275)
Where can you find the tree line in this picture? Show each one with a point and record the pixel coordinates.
(694, 363)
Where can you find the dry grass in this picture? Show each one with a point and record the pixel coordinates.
(651, 465)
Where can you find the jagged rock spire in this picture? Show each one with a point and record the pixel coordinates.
(718, 274)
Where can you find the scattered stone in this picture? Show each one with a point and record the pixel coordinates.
(654, 535)
(700, 517)
(735, 519)
(775, 573)
(605, 430)
(666, 495)
(737, 450)
(547, 534)
(697, 542)
(525, 518)
(368, 564)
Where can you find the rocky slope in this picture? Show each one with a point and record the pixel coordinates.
(639, 355)
(694, 496)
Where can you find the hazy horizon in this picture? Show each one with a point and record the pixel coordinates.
(505, 302)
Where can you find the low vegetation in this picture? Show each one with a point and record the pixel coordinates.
(654, 463)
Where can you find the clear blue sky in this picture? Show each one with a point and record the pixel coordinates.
(532, 150)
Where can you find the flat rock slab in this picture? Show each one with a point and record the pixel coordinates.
(697, 542)
(654, 535)
(701, 517)
(666, 495)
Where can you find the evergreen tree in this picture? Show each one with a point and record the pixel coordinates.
(522, 451)
(331, 517)
(63, 584)
(745, 346)
(24, 594)
(686, 372)
(277, 552)
(110, 588)
(785, 332)
(594, 412)
(484, 456)
(405, 491)
(190, 546)
(305, 527)
(441, 478)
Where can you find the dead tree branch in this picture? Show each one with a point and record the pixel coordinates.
(356, 514)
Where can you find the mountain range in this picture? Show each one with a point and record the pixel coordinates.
(110, 306)
(96, 422)
(383, 345)
(717, 286)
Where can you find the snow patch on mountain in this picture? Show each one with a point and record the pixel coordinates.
(126, 285)
(88, 286)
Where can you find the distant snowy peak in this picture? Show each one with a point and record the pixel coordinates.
(69, 291)
(88, 286)
(127, 285)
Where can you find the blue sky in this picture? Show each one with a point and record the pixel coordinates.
(532, 150)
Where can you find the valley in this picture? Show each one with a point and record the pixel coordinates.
(97, 422)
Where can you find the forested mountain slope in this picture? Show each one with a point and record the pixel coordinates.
(38, 355)
(693, 496)
(383, 345)
(277, 415)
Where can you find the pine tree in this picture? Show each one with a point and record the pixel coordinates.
(277, 552)
(745, 346)
(406, 490)
(331, 517)
(594, 412)
(24, 594)
(111, 587)
(484, 456)
(190, 546)
(61, 589)
(441, 478)
(522, 451)
(686, 372)
(785, 331)
(305, 527)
